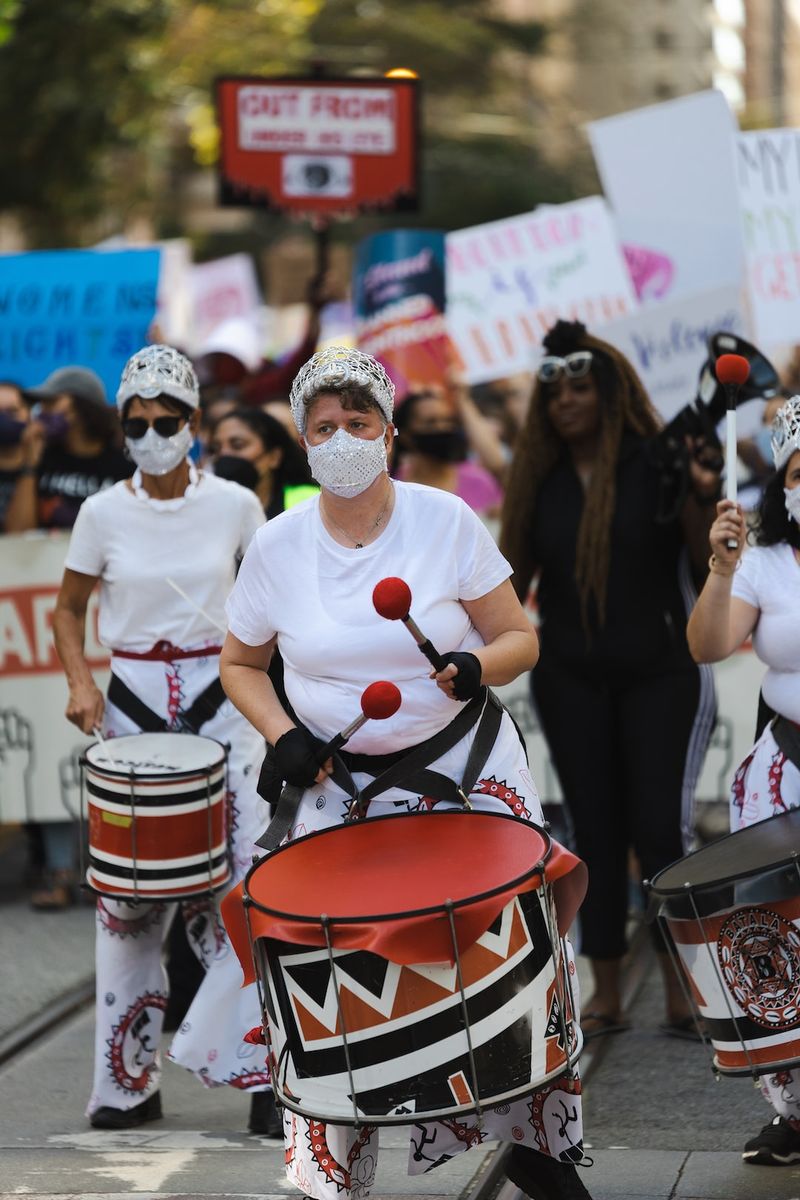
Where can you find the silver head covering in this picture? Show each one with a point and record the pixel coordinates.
(337, 367)
(786, 432)
(158, 371)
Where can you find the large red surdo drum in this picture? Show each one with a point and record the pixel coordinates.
(157, 816)
(732, 910)
(411, 966)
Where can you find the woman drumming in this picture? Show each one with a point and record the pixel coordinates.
(626, 712)
(755, 591)
(169, 522)
(306, 586)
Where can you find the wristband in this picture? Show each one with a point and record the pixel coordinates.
(714, 564)
(296, 756)
(467, 683)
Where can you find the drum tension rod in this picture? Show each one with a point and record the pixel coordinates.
(325, 923)
(449, 906)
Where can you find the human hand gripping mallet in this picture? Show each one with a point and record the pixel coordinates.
(732, 371)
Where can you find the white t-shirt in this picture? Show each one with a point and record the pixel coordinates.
(135, 545)
(769, 579)
(316, 595)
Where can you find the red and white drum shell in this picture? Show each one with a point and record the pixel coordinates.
(738, 938)
(397, 1027)
(157, 816)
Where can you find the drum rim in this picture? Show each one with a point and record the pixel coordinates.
(684, 889)
(538, 868)
(87, 765)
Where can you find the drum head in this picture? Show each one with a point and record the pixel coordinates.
(155, 754)
(399, 865)
(771, 843)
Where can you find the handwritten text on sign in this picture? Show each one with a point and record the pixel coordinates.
(768, 163)
(329, 119)
(509, 281)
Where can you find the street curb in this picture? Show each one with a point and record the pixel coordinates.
(48, 1019)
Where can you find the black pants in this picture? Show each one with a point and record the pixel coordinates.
(620, 749)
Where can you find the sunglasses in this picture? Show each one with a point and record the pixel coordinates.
(137, 427)
(574, 366)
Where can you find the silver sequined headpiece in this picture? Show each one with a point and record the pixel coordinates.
(158, 371)
(337, 367)
(786, 432)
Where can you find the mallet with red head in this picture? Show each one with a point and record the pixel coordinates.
(392, 600)
(379, 701)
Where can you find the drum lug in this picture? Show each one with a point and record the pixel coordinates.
(466, 803)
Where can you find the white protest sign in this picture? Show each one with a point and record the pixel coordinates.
(223, 288)
(768, 164)
(669, 174)
(667, 343)
(39, 749)
(509, 281)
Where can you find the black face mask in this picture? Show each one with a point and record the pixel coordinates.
(238, 470)
(10, 430)
(446, 446)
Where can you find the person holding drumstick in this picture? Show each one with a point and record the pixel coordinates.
(754, 591)
(306, 586)
(164, 547)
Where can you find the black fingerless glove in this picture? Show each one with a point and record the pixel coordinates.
(467, 682)
(296, 756)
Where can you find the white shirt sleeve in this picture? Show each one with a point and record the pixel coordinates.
(252, 519)
(86, 553)
(248, 606)
(481, 566)
(745, 579)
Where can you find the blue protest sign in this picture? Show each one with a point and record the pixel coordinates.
(88, 308)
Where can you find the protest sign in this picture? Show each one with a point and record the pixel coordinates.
(509, 281)
(398, 286)
(668, 172)
(768, 167)
(39, 749)
(221, 289)
(667, 343)
(92, 308)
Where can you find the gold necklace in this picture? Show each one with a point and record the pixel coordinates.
(359, 544)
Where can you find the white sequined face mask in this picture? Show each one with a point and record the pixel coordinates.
(793, 503)
(347, 465)
(157, 455)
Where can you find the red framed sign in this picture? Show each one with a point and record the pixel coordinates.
(319, 145)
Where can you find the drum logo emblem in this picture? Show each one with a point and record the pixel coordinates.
(759, 955)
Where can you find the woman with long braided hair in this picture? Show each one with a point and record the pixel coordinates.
(626, 712)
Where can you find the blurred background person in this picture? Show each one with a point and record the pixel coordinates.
(626, 712)
(275, 467)
(761, 599)
(14, 416)
(70, 450)
(433, 448)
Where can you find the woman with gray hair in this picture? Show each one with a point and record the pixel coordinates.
(164, 547)
(306, 586)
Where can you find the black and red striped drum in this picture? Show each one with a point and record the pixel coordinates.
(732, 911)
(411, 966)
(157, 816)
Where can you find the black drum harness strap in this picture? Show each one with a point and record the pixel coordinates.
(406, 768)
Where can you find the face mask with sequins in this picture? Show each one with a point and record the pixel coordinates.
(793, 503)
(347, 465)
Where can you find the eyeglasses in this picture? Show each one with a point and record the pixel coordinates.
(574, 366)
(137, 427)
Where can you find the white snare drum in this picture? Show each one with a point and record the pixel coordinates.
(157, 816)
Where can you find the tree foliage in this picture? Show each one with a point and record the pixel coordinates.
(110, 102)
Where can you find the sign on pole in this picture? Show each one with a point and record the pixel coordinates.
(318, 145)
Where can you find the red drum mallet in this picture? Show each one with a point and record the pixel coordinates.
(379, 701)
(392, 600)
(732, 371)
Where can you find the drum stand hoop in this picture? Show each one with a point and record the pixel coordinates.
(473, 1070)
(325, 923)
